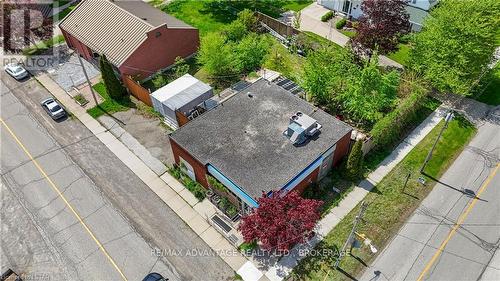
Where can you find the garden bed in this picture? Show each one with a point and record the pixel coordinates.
(108, 106)
(194, 187)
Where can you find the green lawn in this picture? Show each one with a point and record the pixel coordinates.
(108, 106)
(43, 46)
(388, 206)
(297, 5)
(401, 55)
(348, 33)
(197, 14)
(488, 90)
(212, 15)
(281, 60)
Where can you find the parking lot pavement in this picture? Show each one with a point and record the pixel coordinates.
(147, 131)
(65, 68)
(147, 215)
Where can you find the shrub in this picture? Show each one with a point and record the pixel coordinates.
(406, 38)
(247, 247)
(355, 162)
(81, 99)
(340, 24)
(114, 87)
(326, 17)
(389, 129)
(235, 31)
(194, 187)
(214, 183)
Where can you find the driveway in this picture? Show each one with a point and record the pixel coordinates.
(66, 69)
(145, 136)
(310, 20)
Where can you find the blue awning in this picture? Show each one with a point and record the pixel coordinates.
(233, 187)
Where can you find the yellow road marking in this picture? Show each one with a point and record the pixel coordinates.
(457, 225)
(52, 184)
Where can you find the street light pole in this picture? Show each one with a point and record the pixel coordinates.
(88, 80)
(447, 119)
(351, 235)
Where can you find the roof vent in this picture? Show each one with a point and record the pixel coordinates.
(301, 127)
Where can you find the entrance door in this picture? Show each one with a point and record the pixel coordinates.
(347, 7)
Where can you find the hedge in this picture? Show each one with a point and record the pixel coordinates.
(389, 129)
(340, 24)
(327, 16)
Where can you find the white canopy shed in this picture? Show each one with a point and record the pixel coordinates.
(185, 94)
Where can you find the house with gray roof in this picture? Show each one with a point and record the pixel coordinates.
(260, 140)
(138, 39)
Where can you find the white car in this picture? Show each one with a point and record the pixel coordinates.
(53, 108)
(16, 70)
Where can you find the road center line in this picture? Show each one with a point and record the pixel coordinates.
(460, 220)
(54, 187)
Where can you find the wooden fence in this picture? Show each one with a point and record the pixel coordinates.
(137, 90)
(276, 25)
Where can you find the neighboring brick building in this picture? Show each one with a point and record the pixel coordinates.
(137, 38)
(262, 139)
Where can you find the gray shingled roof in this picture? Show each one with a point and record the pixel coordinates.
(115, 29)
(243, 138)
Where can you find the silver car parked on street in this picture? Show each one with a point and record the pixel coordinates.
(16, 70)
(53, 108)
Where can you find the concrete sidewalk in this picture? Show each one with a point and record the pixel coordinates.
(310, 20)
(195, 214)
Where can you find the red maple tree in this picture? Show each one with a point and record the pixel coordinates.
(382, 22)
(280, 221)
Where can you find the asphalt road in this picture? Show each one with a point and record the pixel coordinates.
(454, 234)
(129, 220)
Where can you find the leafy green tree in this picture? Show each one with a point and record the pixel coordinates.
(278, 59)
(235, 31)
(251, 51)
(355, 161)
(248, 19)
(114, 87)
(456, 43)
(217, 56)
(369, 93)
(325, 73)
(180, 67)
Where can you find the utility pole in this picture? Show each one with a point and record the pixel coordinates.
(88, 80)
(406, 182)
(351, 235)
(447, 119)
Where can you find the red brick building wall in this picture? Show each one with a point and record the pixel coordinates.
(157, 52)
(342, 149)
(313, 177)
(200, 170)
(160, 50)
(76, 45)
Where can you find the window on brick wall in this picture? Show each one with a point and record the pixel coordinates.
(187, 168)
